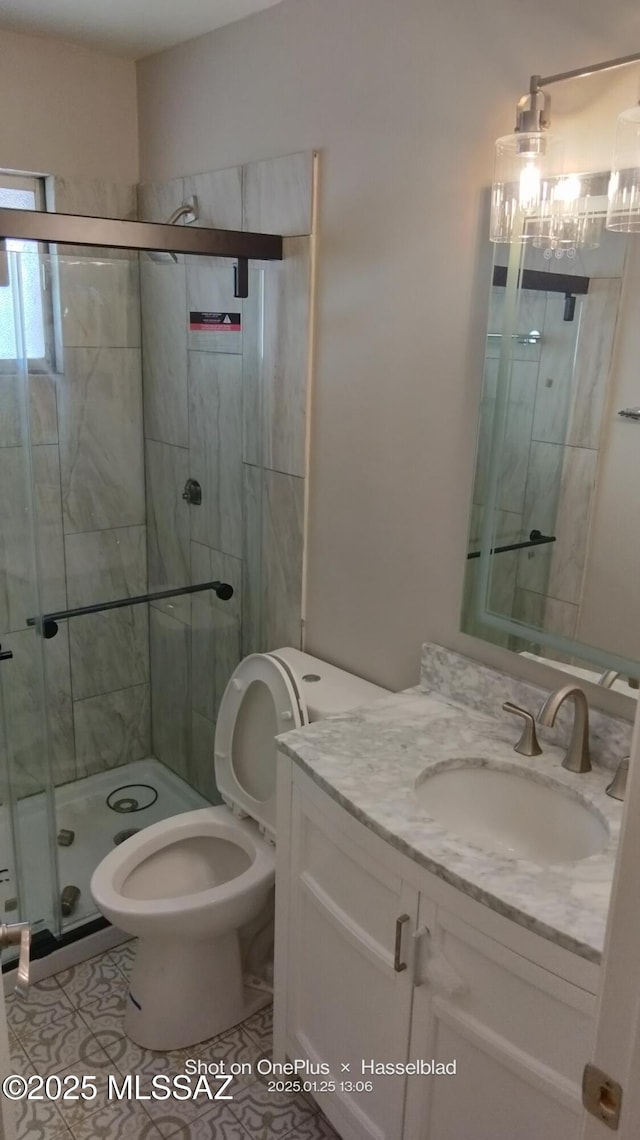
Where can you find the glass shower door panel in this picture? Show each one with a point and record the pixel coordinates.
(93, 542)
(201, 364)
(28, 884)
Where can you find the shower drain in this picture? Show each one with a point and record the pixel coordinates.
(126, 834)
(125, 804)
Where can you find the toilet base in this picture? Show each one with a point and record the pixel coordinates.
(182, 992)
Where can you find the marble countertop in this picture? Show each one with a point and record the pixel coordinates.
(370, 761)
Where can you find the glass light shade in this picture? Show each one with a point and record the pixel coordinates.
(623, 211)
(525, 165)
(570, 217)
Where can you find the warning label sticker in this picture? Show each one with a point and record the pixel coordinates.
(215, 322)
(217, 332)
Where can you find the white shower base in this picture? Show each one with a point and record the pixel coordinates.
(81, 807)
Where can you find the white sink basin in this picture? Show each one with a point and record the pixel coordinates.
(509, 813)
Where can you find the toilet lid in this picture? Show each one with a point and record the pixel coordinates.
(260, 701)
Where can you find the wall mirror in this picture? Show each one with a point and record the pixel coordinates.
(553, 566)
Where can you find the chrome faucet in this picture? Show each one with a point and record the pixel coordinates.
(577, 757)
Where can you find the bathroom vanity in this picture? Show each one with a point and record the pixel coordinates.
(400, 942)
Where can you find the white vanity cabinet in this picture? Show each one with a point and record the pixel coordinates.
(344, 988)
(377, 959)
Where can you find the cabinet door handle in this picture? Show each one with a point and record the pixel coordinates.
(397, 953)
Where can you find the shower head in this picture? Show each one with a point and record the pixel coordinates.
(187, 213)
(162, 257)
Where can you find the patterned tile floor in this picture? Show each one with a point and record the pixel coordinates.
(73, 1023)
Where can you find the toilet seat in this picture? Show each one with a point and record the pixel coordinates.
(110, 877)
(260, 701)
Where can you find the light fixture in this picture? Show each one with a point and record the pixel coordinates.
(571, 216)
(533, 200)
(526, 165)
(623, 209)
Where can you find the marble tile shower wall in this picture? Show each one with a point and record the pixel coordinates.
(547, 479)
(233, 415)
(86, 432)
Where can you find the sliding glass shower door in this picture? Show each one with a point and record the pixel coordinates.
(130, 549)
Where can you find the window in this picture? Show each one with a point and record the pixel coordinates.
(23, 192)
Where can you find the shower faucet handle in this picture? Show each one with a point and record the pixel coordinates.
(18, 934)
(192, 492)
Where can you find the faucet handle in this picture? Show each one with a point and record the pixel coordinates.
(528, 742)
(618, 785)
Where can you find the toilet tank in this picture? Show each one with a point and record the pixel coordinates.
(325, 688)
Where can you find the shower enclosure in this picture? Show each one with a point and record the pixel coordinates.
(130, 388)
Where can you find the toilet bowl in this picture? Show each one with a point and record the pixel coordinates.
(186, 886)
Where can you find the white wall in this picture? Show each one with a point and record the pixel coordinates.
(404, 99)
(584, 112)
(66, 110)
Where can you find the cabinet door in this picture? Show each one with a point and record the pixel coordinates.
(349, 971)
(491, 1099)
(515, 1031)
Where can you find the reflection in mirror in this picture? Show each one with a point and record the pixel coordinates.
(554, 542)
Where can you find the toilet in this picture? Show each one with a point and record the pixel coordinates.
(187, 885)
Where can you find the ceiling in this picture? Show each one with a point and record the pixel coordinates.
(128, 28)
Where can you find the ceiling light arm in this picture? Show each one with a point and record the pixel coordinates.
(583, 72)
(534, 109)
